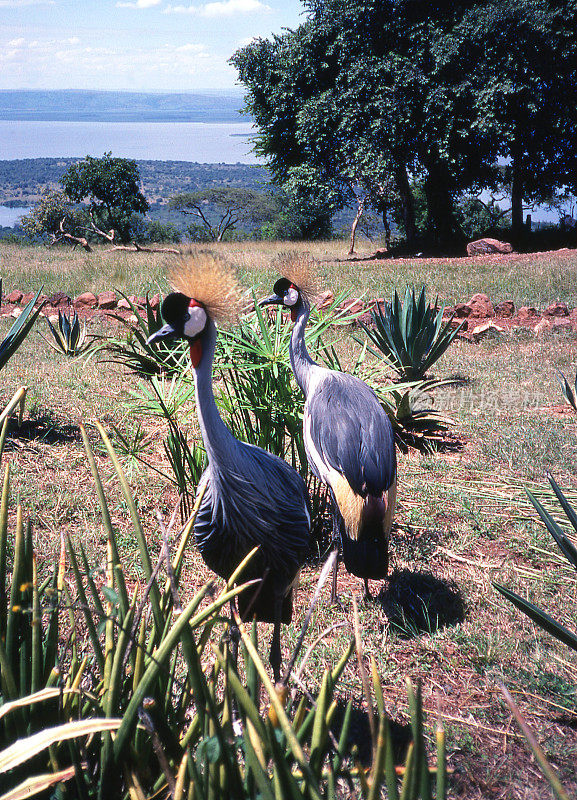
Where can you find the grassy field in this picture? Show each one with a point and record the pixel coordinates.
(463, 519)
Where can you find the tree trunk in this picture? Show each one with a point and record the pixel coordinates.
(441, 221)
(357, 219)
(516, 198)
(407, 203)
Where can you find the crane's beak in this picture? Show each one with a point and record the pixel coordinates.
(274, 299)
(166, 332)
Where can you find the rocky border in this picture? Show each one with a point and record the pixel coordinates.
(477, 317)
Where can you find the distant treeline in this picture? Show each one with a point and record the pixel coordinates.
(95, 106)
(24, 180)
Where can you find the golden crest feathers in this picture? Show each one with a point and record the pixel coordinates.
(208, 278)
(299, 268)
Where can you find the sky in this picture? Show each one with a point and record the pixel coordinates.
(135, 45)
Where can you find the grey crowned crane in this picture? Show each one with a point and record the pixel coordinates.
(349, 443)
(251, 497)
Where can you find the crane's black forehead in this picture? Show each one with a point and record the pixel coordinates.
(174, 307)
(282, 285)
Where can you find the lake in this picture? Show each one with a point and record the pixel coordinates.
(9, 216)
(206, 143)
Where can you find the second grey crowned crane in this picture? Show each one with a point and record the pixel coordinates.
(251, 497)
(349, 443)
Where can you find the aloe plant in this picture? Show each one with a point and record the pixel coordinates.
(564, 543)
(69, 336)
(544, 620)
(134, 352)
(20, 329)
(410, 333)
(569, 392)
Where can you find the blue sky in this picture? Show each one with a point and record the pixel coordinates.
(137, 45)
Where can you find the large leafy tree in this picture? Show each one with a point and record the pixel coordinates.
(409, 90)
(221, 209)
(112, 188)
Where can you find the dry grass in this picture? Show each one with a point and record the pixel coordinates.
(463, 517)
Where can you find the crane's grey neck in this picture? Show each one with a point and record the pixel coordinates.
(218, 440)
(302, 364)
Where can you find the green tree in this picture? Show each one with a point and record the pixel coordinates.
(524, 83)
(424, 93)
(221, 209)
(112, 188)
(55, 218)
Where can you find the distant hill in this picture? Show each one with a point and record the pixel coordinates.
(94, 106)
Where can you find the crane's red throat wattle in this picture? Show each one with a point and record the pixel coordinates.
(196, 352)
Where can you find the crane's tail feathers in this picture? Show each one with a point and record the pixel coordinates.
(391, 501)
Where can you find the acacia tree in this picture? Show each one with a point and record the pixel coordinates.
(221, 209)
(112, 188)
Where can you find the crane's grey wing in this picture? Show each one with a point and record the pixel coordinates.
(352, 433)
(261, 501)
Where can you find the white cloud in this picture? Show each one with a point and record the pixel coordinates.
(229, 7)
(220, 9)
(73, 40)
(139, 4)
(16, 42)
(20, 3)
(190, 48)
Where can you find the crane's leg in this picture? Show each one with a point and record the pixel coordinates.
(367, 597)
(336, 542)
(233, 640)
(275, 651)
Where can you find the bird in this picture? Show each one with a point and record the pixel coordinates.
(348, 440)
(251, 498)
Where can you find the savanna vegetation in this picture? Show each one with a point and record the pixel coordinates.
(103, 450)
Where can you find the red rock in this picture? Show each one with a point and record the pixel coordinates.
(561, 323)
(123, 303)
(485, 329)
(557, 309)
(154, 301)
(482, 247)
(326, 299)
(353, 306)
(573, 314)
(27, 297)
(462, 310)
(15, 296)
(527, 314)
(480, 306)
(58, 299)
(505, 309)
(86, 300)
(107, 300)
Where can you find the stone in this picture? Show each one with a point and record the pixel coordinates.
(561, 323)
(154, 302)
(326, 299)
(107, 300)
(543, 325)
(485, 329)
(505, 309)
(462, 310)
(480, 306)
(381, 253)
(27, 297)
(86, 300)
(58, 299)
(16, 312)
(483, 247)
(557, 309)
(527, 314)
(15, 296)
(352, 306)
(123, 303)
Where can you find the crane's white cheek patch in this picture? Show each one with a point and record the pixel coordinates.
(195, 322)
(291, 297)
